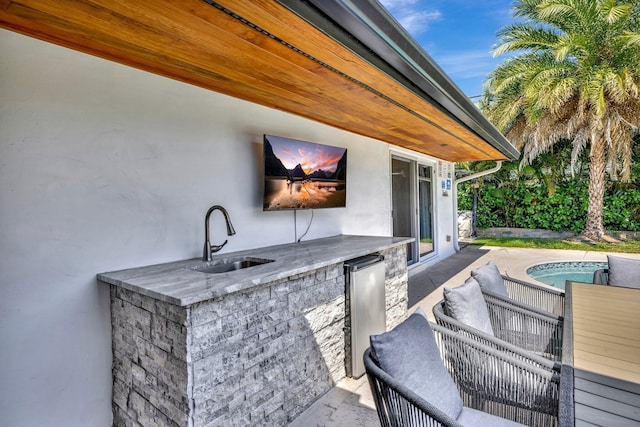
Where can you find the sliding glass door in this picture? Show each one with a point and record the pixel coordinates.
(412, 205)
(402, 201)
(425, 211)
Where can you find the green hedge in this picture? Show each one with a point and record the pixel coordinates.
(562, 207)
(541, 197)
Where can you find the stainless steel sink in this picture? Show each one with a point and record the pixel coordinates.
(224, 266)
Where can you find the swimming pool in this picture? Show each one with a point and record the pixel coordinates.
(555, 273)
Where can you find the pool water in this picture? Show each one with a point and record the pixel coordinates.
(555, 273)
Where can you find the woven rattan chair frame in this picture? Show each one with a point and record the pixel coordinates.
(535, 332)
(535, 297)
(601, 277)
(508, 385)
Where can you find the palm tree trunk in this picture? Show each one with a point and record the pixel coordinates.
(594, 228)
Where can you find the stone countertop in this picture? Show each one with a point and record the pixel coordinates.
(179, 282)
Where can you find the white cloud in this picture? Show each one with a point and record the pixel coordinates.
(416, 23)
(467, 64)
(396, 4)
(468, 69)
(411, 14)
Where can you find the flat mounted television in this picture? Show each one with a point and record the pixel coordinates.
(303, 175)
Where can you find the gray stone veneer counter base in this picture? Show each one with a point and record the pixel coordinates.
(180, 284)
(251, 347)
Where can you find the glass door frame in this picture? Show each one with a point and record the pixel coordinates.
(413, 255)
(429, 181)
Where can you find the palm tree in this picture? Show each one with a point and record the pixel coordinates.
(575, 74)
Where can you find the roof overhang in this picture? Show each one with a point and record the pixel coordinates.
(347, 64)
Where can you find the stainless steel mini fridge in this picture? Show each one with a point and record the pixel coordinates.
(366, 296)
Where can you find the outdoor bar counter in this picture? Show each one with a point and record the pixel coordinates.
(196, 345)
(601, 346)
(182, 283)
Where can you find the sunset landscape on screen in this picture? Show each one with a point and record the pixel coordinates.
(303, 175)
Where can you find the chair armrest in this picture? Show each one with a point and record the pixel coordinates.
(398, 405)
(544, 298)
(601, 277)
(566, 404)
(522, 305)
(540, 333)
(448, 322)
(484, 375)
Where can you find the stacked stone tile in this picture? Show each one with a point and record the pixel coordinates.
(254, 357)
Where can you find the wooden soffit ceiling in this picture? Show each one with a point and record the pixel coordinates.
(255, 50)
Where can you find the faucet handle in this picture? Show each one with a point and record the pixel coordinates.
(216, 248)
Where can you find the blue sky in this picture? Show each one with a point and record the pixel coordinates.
(457, 34)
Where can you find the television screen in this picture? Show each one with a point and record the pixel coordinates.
(303, 175)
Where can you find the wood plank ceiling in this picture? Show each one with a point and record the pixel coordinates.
(255, 50)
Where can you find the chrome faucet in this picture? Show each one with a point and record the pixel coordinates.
(208, 249)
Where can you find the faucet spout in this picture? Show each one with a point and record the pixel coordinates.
(208, 249)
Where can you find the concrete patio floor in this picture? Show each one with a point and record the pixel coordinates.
(350, 402)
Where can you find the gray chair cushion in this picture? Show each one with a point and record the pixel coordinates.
(474, 418)
(490, 279)
(409, 353)
(466, 304)
(624, 272)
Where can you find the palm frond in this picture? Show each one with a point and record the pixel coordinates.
(631, 39)
(571, 45)
(576, 77)
(522, 36)
(526, 8)
(614, 87)
(562, 93)
(568, 15)
(614, 12)
(554, 10)
(593, 92)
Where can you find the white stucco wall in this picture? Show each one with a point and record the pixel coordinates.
(104, 167)
(446, 215)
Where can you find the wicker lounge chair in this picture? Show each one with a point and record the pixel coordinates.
(429, 376)
(527, 295)
(624, 272)
(503, 323)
